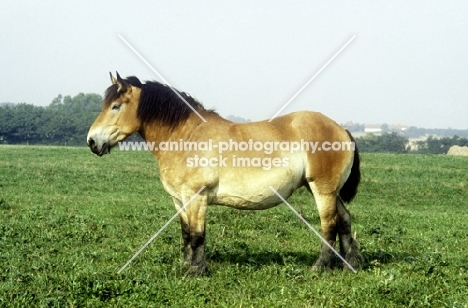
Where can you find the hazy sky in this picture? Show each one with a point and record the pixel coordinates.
(408, 63)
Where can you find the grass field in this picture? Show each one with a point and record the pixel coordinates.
(69, 220)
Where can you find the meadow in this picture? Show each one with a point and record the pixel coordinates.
(69, 221)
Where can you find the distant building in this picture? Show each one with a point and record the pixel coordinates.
(398, 127)
(382, 128)
(372, 128)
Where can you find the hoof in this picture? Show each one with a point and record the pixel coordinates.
(322, 266)
(355, 259)
(320, 269)
(197, 271)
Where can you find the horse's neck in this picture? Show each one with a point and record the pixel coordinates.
(156, 133)
(153, 132)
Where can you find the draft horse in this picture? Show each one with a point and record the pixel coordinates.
(159, 115)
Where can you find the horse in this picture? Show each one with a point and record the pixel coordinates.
(239, 165)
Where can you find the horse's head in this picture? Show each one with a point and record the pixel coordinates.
(118, 118)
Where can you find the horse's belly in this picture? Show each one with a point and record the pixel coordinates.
(252, 191)
(243, 204)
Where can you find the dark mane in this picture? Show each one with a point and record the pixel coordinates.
(158, 102)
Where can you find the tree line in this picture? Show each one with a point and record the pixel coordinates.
(412, 131)
(65, 121)
(397, 143)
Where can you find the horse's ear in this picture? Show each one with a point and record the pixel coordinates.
(113, 80)
(120, 83)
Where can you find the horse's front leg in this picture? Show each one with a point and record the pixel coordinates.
(193, 234)
(185, 228)
(198, 266)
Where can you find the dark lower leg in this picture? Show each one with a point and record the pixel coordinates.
(198, 265)
(188, 252)
(198, 248)
(348, 245)
(327, 256)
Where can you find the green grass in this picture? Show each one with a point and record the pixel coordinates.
(69, 220)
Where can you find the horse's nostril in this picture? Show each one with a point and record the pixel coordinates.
(91, 142)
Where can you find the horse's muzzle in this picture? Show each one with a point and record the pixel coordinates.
(98, 150)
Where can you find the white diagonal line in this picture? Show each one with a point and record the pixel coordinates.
(160, 230)
(161, 77)
(312, 228)
(313, 77)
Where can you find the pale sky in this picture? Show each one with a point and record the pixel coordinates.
(407, 65)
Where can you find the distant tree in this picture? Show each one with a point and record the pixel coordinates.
(56, 102)
(439, 146)
(385, 128)
(412, 132)
(433, 145)
(393, 143)
(368, 143)
(415, 132)
(65, 120)
(7, 125)
(387, 142)
(24, 122)
(358, 127)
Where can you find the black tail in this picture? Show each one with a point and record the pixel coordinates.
(349, 189)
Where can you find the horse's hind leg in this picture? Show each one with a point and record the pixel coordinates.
(348, 246)
(326, 205)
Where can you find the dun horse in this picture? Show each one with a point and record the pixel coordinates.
(254, 157)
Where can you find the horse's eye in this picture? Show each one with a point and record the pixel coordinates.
(116, 107)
